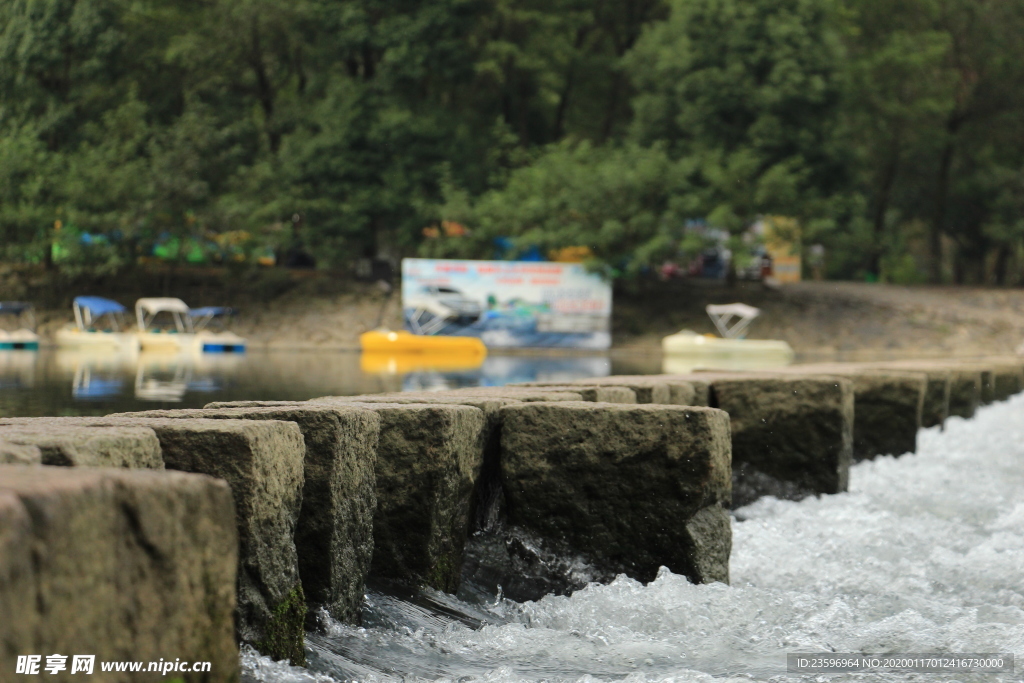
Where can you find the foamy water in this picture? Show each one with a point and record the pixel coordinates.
(924, 554)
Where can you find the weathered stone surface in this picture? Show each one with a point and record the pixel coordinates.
(1007, 379)
(964, 392)
(935, 407)
(576, 392)
(428, 461)
(660, 389)
(123, 565)
(217, 405)
(488, 500)
(887, 407)
(263, 464)
(791, 435)
(64, 442)
(965, 384)
(334, 533)
(690, 390)
(19, 454)
(601, 393)
(987, 394)
(644, 388)
(523, 394)
(887, 412)
(632, 487)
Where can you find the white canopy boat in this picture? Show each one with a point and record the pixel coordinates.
(729, 350)
(216, 341)
(170, 326)
(22, 338)
(99, 325)
(164, 324)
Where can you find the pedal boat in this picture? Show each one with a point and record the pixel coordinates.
(168, 325)
(23, 338)
(210, 341)
(398, 343)
(732, 321)
(98, 327)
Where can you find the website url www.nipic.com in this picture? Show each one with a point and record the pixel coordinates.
(31, 665)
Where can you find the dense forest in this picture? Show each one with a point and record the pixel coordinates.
(892, 132)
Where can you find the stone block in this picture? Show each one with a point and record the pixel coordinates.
(334, 532)
(263, 464)
(124, 565)
(575, 392)
(887, 407)
(518, 393)
(644, 389)
(935, 407)
(1007, 379)
(428, 462)
(488, 500)
(601, 393)
(887, 412)
(61, 441)
(631, 487)
(690, 390)
(19, 454)
(965, 387)
(791, 435)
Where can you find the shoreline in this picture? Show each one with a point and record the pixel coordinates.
(819, 320)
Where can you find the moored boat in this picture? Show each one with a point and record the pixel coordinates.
(168, 325)
(164, 324)
(215, 341)
(23, 338)
(100, 325)
(732, 322)
(402, 363)
(388, 342)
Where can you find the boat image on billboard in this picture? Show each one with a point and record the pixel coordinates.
(508, 304)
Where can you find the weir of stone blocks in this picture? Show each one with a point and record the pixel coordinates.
(188, 532)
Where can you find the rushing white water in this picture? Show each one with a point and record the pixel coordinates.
(924, 554)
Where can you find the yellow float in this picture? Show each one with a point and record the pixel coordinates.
(401, 343)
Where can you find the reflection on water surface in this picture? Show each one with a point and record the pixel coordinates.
(76, 382)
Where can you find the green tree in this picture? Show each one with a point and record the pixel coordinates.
(751, 92)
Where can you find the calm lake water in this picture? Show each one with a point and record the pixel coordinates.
(64, 382)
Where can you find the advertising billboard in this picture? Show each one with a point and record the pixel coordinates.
(508, 304)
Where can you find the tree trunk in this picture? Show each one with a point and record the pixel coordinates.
(884, 196)
(613, 105)
(264, 87)
(959, 268)
(938, 225)
(1002, 261)
(558, 130)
